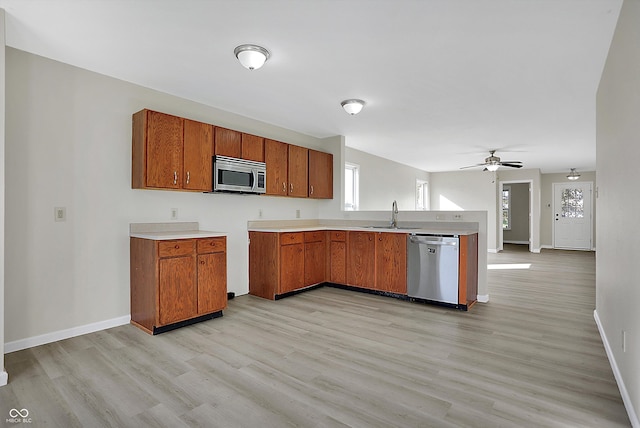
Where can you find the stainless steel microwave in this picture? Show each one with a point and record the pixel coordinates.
(238, 175)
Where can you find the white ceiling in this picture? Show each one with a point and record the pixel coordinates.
(444, 80)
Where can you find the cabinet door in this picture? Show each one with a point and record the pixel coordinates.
(314, 263)
(320, 175)
(391, 262)
(164, 150)
(361, 259)
(228, 142)
(212, 282)
(276, 155)
(177, 289)
(291, 268)
(198, 150)
(252, 147)
(338, 262)
(298, 171)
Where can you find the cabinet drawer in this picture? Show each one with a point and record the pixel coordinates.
(315, 236)
(291, 238)
(182, 247)
(338, 235)
(212, 245)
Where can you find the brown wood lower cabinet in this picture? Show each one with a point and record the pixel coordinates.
(468, 270)
(338, 256)
(175, 281)
(361, 247)
(391, 262)
(280, 263)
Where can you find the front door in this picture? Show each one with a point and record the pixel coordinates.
(572, 216)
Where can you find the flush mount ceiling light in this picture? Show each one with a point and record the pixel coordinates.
(352, 106)
(251, 57)
(573, 175)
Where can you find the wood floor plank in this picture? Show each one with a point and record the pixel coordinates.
(531, 356)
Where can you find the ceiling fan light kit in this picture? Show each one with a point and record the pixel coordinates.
(492, 163)
(252, 57)
(573, 175)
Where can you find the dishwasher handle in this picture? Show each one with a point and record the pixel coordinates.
(427, 241)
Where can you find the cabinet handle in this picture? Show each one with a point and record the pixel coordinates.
(188, 177)
(177, 247)
(175, 177)
(291, 187)
(201, 262)
(284, 187)
(312, 189)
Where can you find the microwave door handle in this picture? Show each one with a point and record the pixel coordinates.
(254, 180)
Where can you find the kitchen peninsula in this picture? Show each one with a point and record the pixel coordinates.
(288, 257)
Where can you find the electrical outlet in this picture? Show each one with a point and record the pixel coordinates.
(297, 213)
(440, 217)
(260, 213)
(174, 213)
(60, 214)
(457, 217)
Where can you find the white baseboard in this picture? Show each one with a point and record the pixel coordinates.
(536, 250)
(517, 242)
(549, 247)
(493, 250)
(4, 378)
(483, 298)
(54, 336)
(626, 399)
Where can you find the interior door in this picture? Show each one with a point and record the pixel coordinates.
(572, 216)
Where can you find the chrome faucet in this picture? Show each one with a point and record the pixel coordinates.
(394, 215)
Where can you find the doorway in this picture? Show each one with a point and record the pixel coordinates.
(572, 216)
(514, 215)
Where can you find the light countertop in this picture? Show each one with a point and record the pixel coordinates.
(167, 231)
(400, 229)
(183, 234)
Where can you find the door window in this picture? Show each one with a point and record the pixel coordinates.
(572, 203)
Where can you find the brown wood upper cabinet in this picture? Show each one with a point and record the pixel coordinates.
(276, 155)
(320, 175)
(252, 147)
(228, 142)
(170, 152)
(298, 170)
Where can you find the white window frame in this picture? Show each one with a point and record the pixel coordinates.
(422, 187)
(356, 186)
(506, 188)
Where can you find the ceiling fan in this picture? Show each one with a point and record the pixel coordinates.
(492, 163)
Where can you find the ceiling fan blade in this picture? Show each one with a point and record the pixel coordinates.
(473, 166)
(511, 162)
(511, 165)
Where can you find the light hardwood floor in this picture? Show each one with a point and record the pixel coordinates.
(532, 356)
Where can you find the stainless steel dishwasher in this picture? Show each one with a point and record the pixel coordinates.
(432, 267)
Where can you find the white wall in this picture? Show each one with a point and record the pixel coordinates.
(618, 153)
(68, 143)
(3, 373)
(467, 191)
(546, 217)
(383, 181)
